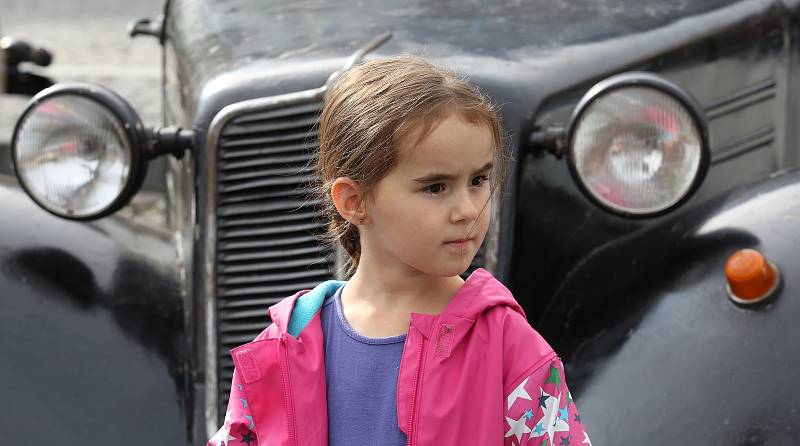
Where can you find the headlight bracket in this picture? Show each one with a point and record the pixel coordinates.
(170, 140)
(560, 141)
(552, 139)
(142, 144)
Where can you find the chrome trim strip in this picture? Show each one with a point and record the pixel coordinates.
(215, 130)
(739, 99)
(747, 143)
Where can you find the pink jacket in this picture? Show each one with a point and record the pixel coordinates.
(475, 374)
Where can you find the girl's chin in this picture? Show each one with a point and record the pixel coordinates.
(447, 270)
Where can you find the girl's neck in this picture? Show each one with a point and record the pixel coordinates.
(400, 290)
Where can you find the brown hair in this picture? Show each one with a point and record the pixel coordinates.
(371, 108)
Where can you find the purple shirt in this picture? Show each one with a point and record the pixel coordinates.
(361, 377)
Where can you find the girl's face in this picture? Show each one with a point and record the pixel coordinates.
(431, 212)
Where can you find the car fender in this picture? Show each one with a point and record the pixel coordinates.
(655, 347)
(91, 329)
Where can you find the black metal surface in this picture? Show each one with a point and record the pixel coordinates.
(535, 61)
(661, 355)
(18, 51)
(24, 83)
(91, 330)
(21, 81)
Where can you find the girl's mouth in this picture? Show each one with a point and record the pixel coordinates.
(461, 240)
(459, 245)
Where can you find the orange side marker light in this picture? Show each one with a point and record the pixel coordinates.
(751, 277)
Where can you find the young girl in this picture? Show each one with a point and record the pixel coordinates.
(405, 352)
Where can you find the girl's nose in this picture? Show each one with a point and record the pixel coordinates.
(465, 208)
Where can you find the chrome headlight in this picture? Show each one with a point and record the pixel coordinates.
(77, 151)
(638, 145)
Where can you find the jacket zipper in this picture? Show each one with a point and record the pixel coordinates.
(287, 392)
(412, 431)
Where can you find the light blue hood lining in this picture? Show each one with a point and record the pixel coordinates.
(307, 305)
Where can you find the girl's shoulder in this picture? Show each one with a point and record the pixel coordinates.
(523, 348)
(516, 330)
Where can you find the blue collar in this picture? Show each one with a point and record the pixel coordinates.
(307, 305)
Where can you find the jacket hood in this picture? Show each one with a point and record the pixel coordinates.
(479, 293)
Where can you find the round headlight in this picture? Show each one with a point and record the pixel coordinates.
(77, 151)
(638, 145)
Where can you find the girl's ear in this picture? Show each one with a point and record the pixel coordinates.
(348, 197)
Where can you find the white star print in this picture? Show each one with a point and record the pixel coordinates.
(519, 392)
(586, 439)
(550, 421)
(517, 427)
(223, 435)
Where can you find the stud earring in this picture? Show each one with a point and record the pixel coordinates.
(361, 220)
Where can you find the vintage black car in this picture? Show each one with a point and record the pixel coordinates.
(650, 142)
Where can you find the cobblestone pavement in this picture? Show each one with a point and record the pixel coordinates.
(89, 41)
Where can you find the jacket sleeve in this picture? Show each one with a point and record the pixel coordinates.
(539, 409)
(238, 428)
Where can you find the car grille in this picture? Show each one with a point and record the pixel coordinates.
(267, 224)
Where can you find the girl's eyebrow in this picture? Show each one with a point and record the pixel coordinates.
(431, 178)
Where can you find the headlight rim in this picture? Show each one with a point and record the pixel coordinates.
(129, 121)
(648, 80)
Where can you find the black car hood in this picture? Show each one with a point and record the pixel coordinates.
(226, 34)
(314, 28)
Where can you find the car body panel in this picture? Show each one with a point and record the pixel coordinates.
(662, 354)
(91, 329)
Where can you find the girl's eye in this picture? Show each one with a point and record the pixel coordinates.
(479, 180)
(434, 188)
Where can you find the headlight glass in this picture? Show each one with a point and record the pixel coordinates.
(72, 154)
(637, 149)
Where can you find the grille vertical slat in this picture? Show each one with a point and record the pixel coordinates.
(275, 205)
(301, 216)
(299, 147)
(258, 141)
(259, 195)
(258, 162)
(268, 254)
(253, 232)
(267, 182)
(250, 128)
(262, 173)
(270, 278)
(268, 243)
